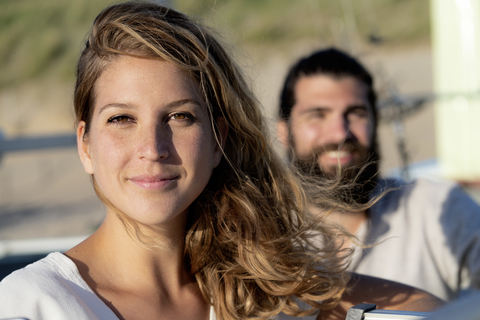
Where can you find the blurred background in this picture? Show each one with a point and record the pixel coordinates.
(45, 193)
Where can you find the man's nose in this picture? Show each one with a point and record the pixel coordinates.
(153, 143)
(339, 129)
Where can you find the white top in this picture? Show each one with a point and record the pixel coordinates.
(53, 289)
(429, 237)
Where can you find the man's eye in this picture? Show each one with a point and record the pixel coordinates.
(360, 113)
(319, 114)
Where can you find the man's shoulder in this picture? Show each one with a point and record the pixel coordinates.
(437, 191)
(436, 185)
(424, 195)
(422, 186)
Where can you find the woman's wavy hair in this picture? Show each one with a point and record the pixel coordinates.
(249, 236)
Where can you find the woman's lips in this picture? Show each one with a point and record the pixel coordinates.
(153, 182)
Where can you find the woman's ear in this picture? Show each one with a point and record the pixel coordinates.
(222, 126)
(83, 148)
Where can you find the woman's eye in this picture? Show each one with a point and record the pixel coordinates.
(120, 119)
(182, 116)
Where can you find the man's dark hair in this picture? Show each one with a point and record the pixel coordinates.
(331, 62)
(336, 64)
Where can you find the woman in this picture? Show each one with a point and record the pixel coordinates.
(202, 218)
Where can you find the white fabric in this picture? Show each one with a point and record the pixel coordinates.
(52, 289)
(429, 237)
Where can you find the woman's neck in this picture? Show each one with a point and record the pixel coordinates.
(128, 274)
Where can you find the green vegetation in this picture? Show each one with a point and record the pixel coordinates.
(275, 22)
(41, 39)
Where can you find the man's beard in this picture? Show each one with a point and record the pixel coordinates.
(360, 176)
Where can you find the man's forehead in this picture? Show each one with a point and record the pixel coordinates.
(329, 91)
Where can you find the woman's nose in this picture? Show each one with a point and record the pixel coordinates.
(153, 144)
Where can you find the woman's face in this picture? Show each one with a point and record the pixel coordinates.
(150, 145)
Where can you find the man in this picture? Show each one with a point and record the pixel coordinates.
(427, 234)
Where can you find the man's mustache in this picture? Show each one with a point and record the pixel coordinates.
(359, 177)
(351, 146)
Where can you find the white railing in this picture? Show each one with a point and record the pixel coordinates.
(38, 246)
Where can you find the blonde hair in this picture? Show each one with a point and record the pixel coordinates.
(248, 240)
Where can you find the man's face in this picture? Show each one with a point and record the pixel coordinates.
(331, 123)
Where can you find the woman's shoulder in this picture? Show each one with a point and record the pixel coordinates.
(52, 271)
(50, 288)
(34, 274)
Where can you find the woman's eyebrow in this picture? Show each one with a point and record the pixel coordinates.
(115, 105)
(169, 105)
(181, 102)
